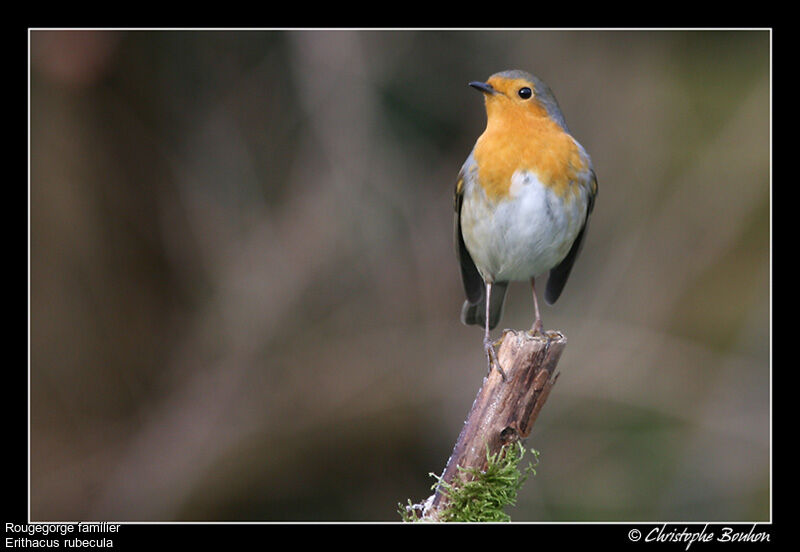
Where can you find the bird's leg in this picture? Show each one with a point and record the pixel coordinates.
(488, 346)
(538, 327)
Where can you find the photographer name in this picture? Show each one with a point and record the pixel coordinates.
(684, 535)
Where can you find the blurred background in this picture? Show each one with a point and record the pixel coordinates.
(244, 296)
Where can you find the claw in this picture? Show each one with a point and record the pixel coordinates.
(488, 345)
(491, 355)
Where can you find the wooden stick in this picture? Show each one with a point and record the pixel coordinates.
(504, 411)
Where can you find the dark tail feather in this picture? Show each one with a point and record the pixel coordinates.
(475, 313)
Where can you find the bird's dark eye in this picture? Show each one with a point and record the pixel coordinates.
(525, 93)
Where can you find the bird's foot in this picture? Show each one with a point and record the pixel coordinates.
(537, 328)
(491, 355)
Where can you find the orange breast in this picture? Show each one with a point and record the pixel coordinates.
(530, 143)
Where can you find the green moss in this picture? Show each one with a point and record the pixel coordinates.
(483, 495)
(409, 513)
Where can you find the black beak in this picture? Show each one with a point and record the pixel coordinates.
(484, 87)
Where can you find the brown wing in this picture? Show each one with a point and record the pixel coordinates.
(558, 275)
(473, 312)
(471, 278)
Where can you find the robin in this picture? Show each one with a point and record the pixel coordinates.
(522, 200)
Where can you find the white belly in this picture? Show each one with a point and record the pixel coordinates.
(523, 235)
